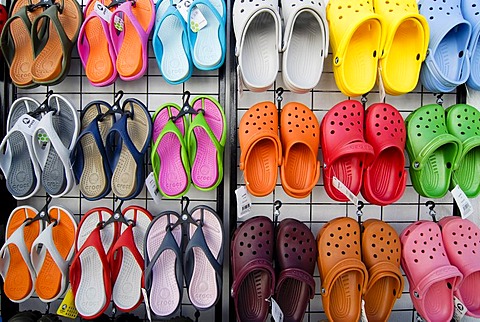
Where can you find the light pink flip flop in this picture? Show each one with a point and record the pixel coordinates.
(462, 243)
(431, 276)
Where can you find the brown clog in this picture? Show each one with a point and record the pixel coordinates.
(296, 257)
(260, 148)
(381, 252)
(343, 274)
(252, 268)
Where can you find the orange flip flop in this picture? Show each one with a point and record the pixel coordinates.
(300, 135)
(51, 253)
(260, 148)
(17, 45)
(343, 274)
(15, 266)
(381, 252)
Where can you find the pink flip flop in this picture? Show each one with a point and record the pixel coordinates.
(431, 276)
(169, 157)
(206, 138)
(462, 243)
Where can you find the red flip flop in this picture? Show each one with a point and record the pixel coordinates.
(345, 152)
(385, 179)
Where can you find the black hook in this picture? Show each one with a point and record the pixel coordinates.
(364, 99)
(42, 214)
(43, 107)
(277, 204)
(186, 108)
(439, 99)
(118, 217)
(431, 205)
(279, 93)
(48, 308)
(185, 215)
(117, 108)
(359, 211)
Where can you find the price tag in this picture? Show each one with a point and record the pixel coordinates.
(277, 313)
(118, 23)
(27, 124)
(102, 11)
(460, 309)
(152, 188)
(197, 20)
(346, 192)
(67, 307)
(363, 315)
(147, 304)
(464, 204)
(244, 204)
(381, 88)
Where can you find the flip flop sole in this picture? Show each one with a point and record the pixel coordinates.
(207, 51)
(99, 67)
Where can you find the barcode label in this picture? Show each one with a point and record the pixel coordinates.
(244, 204)
(463, 203)
(152, 188)
(460, 309)
(346, 192)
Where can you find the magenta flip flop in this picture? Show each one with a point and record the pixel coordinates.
(169, 157)
(462, 243)
(206, 138)
(432, 278)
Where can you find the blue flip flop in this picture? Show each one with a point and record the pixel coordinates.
(471, 12)
(208, 45)
(447, 64)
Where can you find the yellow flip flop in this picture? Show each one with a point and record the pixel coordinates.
(356, 38)
(407, 35)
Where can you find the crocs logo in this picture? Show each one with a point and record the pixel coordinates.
(203, 178)
(89, 304)
(203, 296)
(167, 302)
(173, 185)
(92, 187)
(19, 186)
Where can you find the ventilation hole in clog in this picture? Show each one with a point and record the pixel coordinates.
(328, 254)
(336, 245)
(423, 251)
(267, 252)
(460, 54)
(343, 252)
(249, 245)
(448, 165)
(245, 235)
(414, 251)
(355, 232)
(286, 255)
(254, 252)
(260, 245)
(241, 253)
(415, 260)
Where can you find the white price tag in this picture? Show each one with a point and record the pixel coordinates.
(460, 309)
(381, 88)
(197, 20)
(464, 204)
(27, 124)
(118, 23)
(363, 315)
(244, 204)
(152, 188)
(147, 304)
(277, 313)
(346, 192)
(102, 11)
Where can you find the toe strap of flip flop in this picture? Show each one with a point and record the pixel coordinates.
(299, 275)
(340, 268)
(385, 269)
(437, 275)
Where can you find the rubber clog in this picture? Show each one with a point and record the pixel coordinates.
(260, 148)
(433, 152)
(463, 122)
(357, 39)
(471, 13)
(299, 130)
(384, 181)
(345, 152)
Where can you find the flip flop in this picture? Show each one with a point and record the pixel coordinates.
(126, 259)
(208, 45)
(16, 43)
(53, 140)
(433, 152)
(431, 277)
(258, 33)
(357, 39)
(447, 64)
(460, 237)
(130, 37)
(203, 258)
(260, 148)
(95, 47)
(252, 268)
(345, 152)
(134, 130)
(206, 137)
(171, 170)
(381, 252)
(305, 40)
(384, 181)
(51, 253)
(52, 51)
(462, 123)
(407, 35)
(343, 274)
(17, 159)
(471, 13)
(15, 265)
(300, 134)
(170, 44)
(89, 158)
(296, 256)
(89, 271)
(164, 265)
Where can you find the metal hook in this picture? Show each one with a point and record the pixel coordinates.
(116, 102)
(364, 99)
(279, 93)
(186, 97)
(359, 211)
(440, 99)
(277, 204)
(42, 214)
(185, 207)
(431, 205)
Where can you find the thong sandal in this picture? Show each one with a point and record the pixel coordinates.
(431, 277)
(53, 51)
(406, 42)
(356, 38)
(260, 148)
(343, 274)
(15, 266)
(432, 151)
(381, 252)
(462, 123)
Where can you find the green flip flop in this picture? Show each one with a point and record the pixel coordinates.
(169, 156)
(463, 121)
(433, 152)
